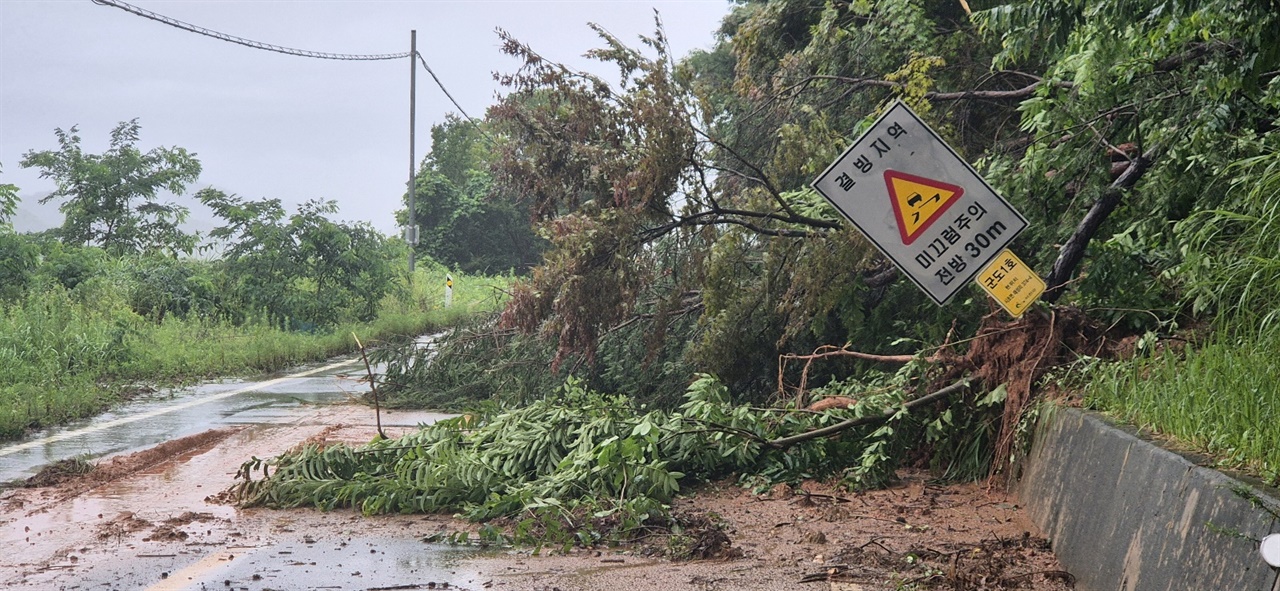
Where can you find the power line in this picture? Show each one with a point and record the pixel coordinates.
(173, 22)
(455, 103)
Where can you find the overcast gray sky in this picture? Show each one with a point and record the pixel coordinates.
(278, 126)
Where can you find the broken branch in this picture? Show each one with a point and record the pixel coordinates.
(1073, 251)
(373, 386)
(785, 442)
(828, 351)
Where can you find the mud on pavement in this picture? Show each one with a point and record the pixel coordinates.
(153, 520)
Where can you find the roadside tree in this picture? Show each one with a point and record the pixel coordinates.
(8, 201)
(303, 269)
(465, 222)
(17, 255)
(112, 199)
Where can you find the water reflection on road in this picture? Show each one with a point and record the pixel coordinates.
(166, 415)
(165, 529)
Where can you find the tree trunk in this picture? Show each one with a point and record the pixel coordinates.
(1073, 251)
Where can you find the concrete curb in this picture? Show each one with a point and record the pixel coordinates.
(1124, 514)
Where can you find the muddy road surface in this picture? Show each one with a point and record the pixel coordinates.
(149, 516)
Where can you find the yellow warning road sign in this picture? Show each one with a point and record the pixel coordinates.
(1011, 282)
(918, 201)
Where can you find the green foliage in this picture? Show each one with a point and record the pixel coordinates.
(8, 202)
(70, 265)
(53, 344)
(598, 166)
(103, 301)
(681, 237)
(553, 461)
(471, 364)
(159, 286)
(19, 258)
(1183, 85)
(680, 191)
(961, 438)
(67, 353)
(465, 367)
(652, 367)
(707, 164)
(57, 332)
(306, 270)
(1222, 398)
(578, 466)
(463, 222)
(1219, 397)
(111, 199)
(793, 296)
(1230, 262)
(1136, 306)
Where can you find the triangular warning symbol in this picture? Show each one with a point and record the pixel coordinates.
(918, 201)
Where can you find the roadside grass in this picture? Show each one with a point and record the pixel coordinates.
(1222, 399)
(68, 354)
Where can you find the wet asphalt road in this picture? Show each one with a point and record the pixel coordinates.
(164, 416)
(69, 543)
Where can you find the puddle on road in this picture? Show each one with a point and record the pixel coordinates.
(170, 415)
(352, 563)
(342, 564)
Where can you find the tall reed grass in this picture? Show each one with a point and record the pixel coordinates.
(66, 354)
(1222, 399)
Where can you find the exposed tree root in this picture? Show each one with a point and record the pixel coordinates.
(1018, 353)
(1015, 353)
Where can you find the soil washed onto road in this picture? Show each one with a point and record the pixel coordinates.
(153, 520)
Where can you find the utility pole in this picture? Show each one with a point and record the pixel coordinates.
(412, 231)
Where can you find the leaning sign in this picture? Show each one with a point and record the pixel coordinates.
(920, 203)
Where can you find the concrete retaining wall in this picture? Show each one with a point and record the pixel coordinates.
(1126, 515)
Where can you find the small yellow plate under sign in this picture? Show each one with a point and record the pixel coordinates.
(1011, 282)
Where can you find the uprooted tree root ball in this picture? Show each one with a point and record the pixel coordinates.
(1018, 353)
(1008, 357)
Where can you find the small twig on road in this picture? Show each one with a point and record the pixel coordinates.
(832, 570)
(806, 493)
(875, 542)
(373, 386)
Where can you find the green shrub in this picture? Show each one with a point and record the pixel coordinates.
(160, 286)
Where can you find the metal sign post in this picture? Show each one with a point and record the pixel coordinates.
(920, 203)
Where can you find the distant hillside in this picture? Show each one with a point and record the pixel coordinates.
(31, 216)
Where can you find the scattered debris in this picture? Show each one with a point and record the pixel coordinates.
(990, 565)
(120, 525)
(59, 472)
